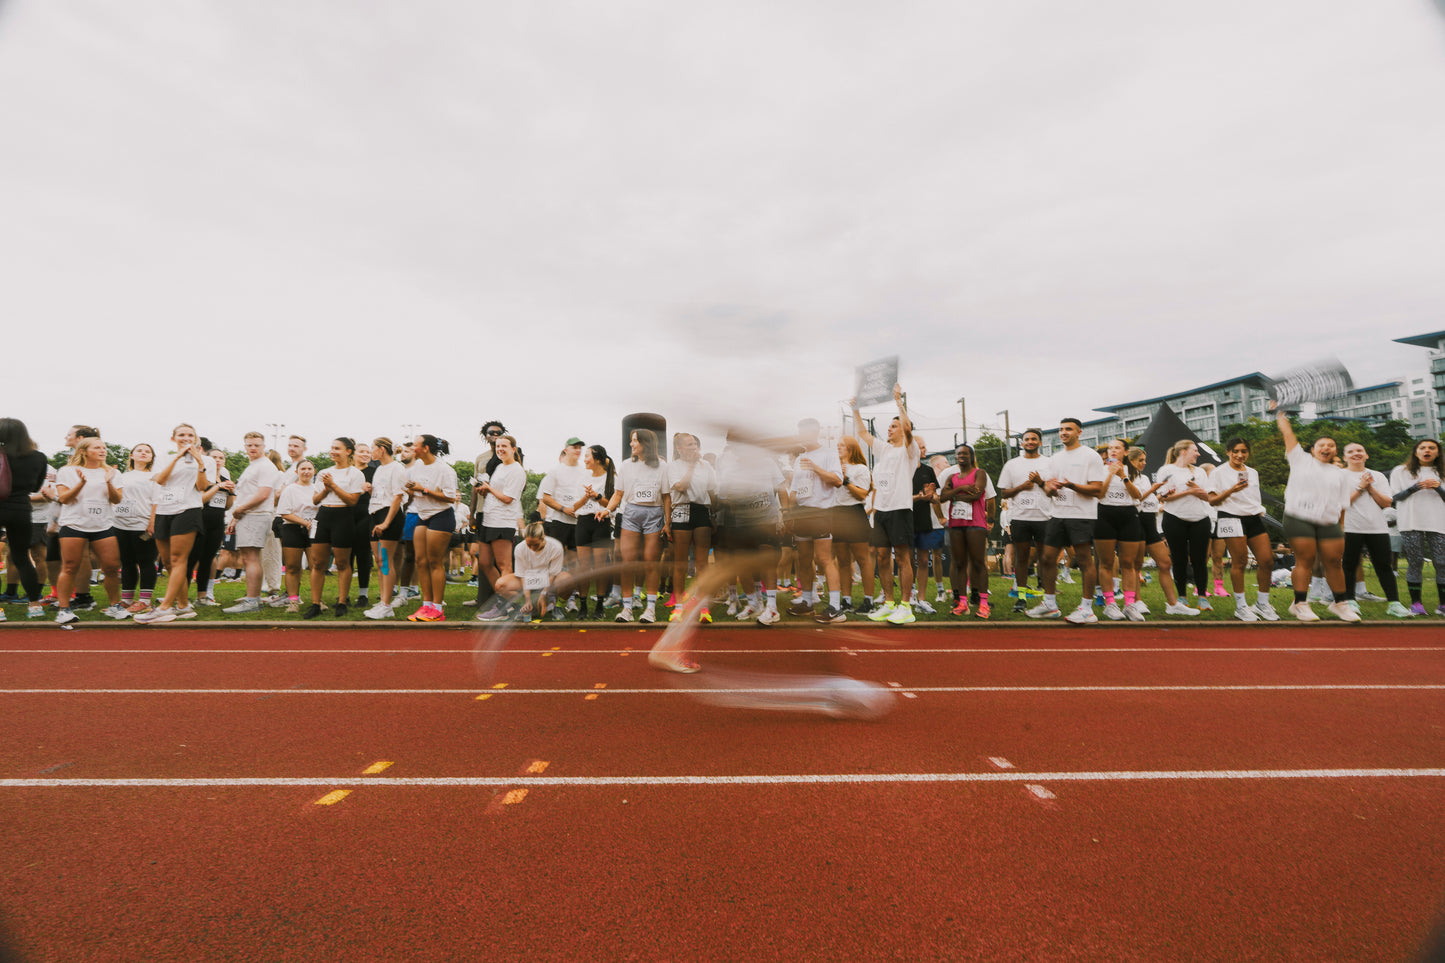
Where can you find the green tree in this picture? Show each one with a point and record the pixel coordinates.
(990, 453)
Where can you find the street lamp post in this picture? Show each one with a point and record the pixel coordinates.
(1008, 438)
(963, 414)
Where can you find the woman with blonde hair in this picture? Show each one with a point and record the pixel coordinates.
(1185, 500)
(296, 508)
(88, 496)
(1118, 534)
(179, 488)
(851, 531)
(1153, 545)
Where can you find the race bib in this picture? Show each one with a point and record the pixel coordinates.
(95, 510)
(1229, 528)
(170, 496)
(312, 530)
(758, 503)
(681, 514)
(961, 511)
(642, 495)
(805, 488)
(883, 483)
(535, 581)
(1026, 499)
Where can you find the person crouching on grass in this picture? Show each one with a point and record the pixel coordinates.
(536, 573)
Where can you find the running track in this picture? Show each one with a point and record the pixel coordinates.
(1119, 793)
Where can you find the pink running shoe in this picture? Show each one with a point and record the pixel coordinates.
(962, 607)
(982, 611)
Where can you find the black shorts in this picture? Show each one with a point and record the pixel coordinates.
(187, 522)
(228, 542)
(1069, 532)
(490, 535)
(37, 534)
(67, 532)
(1118, 523)
(895, 528)
(443, 521)
(335, 526)
(294, 536)
(850, 524)
(562, 532)
(1026, 532)
(687, 516)
(812, 524)
(1149, 522)
(593, 534)
(1249, 526)
(392, 532)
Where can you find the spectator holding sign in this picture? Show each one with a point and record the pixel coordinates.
(1314, 508)
(895, 459)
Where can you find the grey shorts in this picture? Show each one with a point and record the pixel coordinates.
(252, 529)
(645, 519)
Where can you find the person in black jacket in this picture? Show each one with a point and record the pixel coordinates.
(27, 475)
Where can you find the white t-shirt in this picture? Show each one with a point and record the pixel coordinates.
(858, 476)
(1187, 508)
(296, 499)
(893, 467)
(598, 483)
(179, 493)
(699, 487)
(436, 477)
(258, 475)
(1364, 516)
(548, 560)
(92, 511)
(810, 490)
(1243, 503)
(387, 482)
(564, 483)
(1030, 504)
(219, 473)
(1117, 494)
(1149, 505)
(642, 484)
(349, 480)
(1423, 511)
(510, 480)
(1081, 466)
(1312, 493)
(138, 497)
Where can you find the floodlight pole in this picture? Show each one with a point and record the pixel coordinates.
(963, 414)
(1008, 438)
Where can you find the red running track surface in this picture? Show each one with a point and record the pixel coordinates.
(1171, 794)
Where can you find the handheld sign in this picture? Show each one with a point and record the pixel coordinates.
(1323, 379)
(875, 381)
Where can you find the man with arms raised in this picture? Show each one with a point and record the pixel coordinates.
(1074, 480)
(894, 461)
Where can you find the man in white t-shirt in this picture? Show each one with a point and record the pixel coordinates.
(251, 516)
(894, 461)
(813, 491)
(1021, 484)
(1074, 480)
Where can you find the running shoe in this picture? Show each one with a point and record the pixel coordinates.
(424, 610)
(611, 601)
(1368, 597)
(1179, 608)
(1143, 609)
(962, 607)
(750, 612)
(557, 613)
(624, 614)
(281, 601)
(705, 615)
(1083, 615)
(1440, 609)
(883, 612)
(117, 612)
(243, 606)
(1265, 610)
(865, 605)
(137, 607)
(82, 603)
(1134, 612)
(1098, 598)
(1013, 591)
(675, 615)
(340, 610)
(157, 616)
(902, 615)
(206, 601)
(1398, 611)
(572, 605)
(1303, 612)
(769, 616)
(1417, 608)
(292, 607)
(1065, 577)
(830, 615)
(649, 615)
(800, 608)
(186, 612)
(47, 601)
(38, 612)
(1113, 613)
(1020, 606)
(1044, 611)
(732, 605)
(1244, 613)
(314, 612)
(1343, 611)
(922, 607)
(982, 611)
(671, 600)
(1204, 605)
(379, 611)
(65, 617)
(431, 613)
(845, 605)
(9, 598)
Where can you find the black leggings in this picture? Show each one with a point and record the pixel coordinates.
(1378, 546)
(1189, 551)
(207, 544)
(361, 547)
(16, 522)
(137, 561)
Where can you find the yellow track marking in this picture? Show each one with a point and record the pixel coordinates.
(335, 796)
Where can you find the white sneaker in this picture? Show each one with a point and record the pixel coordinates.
(1065, 577)
(1303, 612)
(65, 617)
(1343, 611)
(624, 614)
(118, 612)
(1265, 610)
(732, 605)
(1113, 613)
(881, 613)
(749, 612)
(1244, 613)
(245, 605)
(922, 607)
(1204, 605)
(1179, 608)
(1083, 615)
(1143, 609)
(1044, 611)
(189, 612)
(769, 616)
(649, 614)
(901, 615)
(1134, 611)
(379, 611)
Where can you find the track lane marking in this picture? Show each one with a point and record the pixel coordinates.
(847, 650)
(1340, 687)
(377, 767)
(334, 797)
(1025, 778)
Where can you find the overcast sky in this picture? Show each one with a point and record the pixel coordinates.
(347, 217)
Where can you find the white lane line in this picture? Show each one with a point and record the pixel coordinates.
(1000, 762)
(884, 650)
(1197, 775)
(1347, 687)
(1040, 793)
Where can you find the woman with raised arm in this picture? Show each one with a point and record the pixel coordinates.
(851, 532)
(1420, 504)
(180, 485)
(1314, 509)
